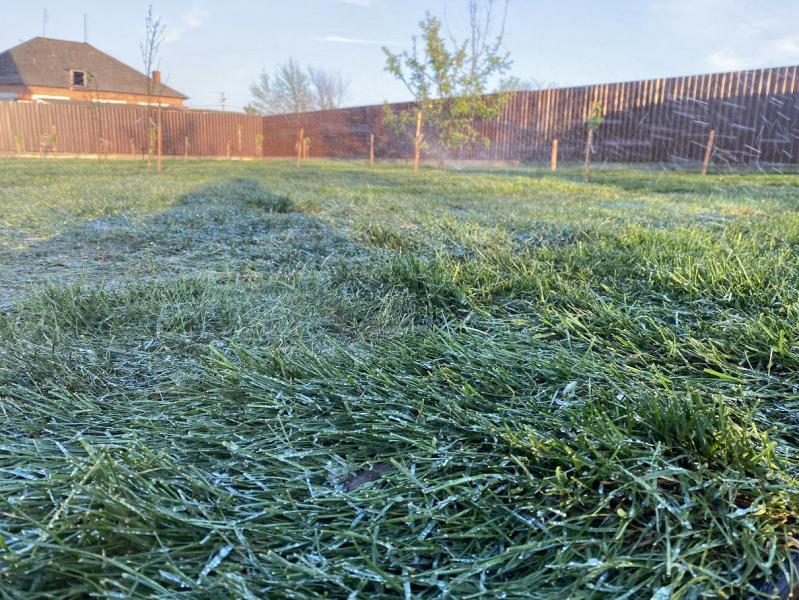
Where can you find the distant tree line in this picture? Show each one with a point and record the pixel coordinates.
(293, 89)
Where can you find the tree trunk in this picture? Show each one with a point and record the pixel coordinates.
(300, 143)
(159, 135)
(587, 166)
(150, 140)
(417, 146)
(711, 141)
(372, 149)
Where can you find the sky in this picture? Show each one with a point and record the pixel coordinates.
(213, 47)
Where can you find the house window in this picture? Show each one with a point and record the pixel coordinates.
(78, 78)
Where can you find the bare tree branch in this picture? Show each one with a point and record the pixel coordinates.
(329, 87)
(153, 36)
(293, 89)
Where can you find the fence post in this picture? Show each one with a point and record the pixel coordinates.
(711, 141)
(553, 161)
(372, 149)
(300, 145)
(186, 148)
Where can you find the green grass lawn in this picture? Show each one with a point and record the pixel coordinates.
(240, 380)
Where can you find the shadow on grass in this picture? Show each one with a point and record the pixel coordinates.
(229, 226)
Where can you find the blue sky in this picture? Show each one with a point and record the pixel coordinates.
(215, 46)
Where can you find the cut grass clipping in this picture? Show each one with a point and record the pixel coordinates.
(230, 381)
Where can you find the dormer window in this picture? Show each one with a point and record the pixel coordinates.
(78, 78)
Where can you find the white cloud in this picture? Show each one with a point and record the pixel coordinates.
(725, 60)
(763, 31)
(364, 3)
(784, 49)
(193, 19)
(338, 39)
(778, 51)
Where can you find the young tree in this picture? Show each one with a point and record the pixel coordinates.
(293, 89)
(150, 46)
(450, 82)
(595, 119)
(94, 110)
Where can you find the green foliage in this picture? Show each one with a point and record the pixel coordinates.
(597, 116)
(450, 83)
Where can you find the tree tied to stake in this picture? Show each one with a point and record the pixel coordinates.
(595, 119)
(449, 82)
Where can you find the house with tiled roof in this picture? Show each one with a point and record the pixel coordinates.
(49, 70)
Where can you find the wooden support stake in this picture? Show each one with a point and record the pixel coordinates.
(553, 161)
(417, 145)
(132, 147)
(711, 141)
(228, 149)
(159, 135)
(300, 144)
(372, 149)
(185, 148)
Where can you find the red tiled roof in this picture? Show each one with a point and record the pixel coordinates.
(47, 62)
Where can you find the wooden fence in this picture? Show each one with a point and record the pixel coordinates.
(755, 115)
(116, 129)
